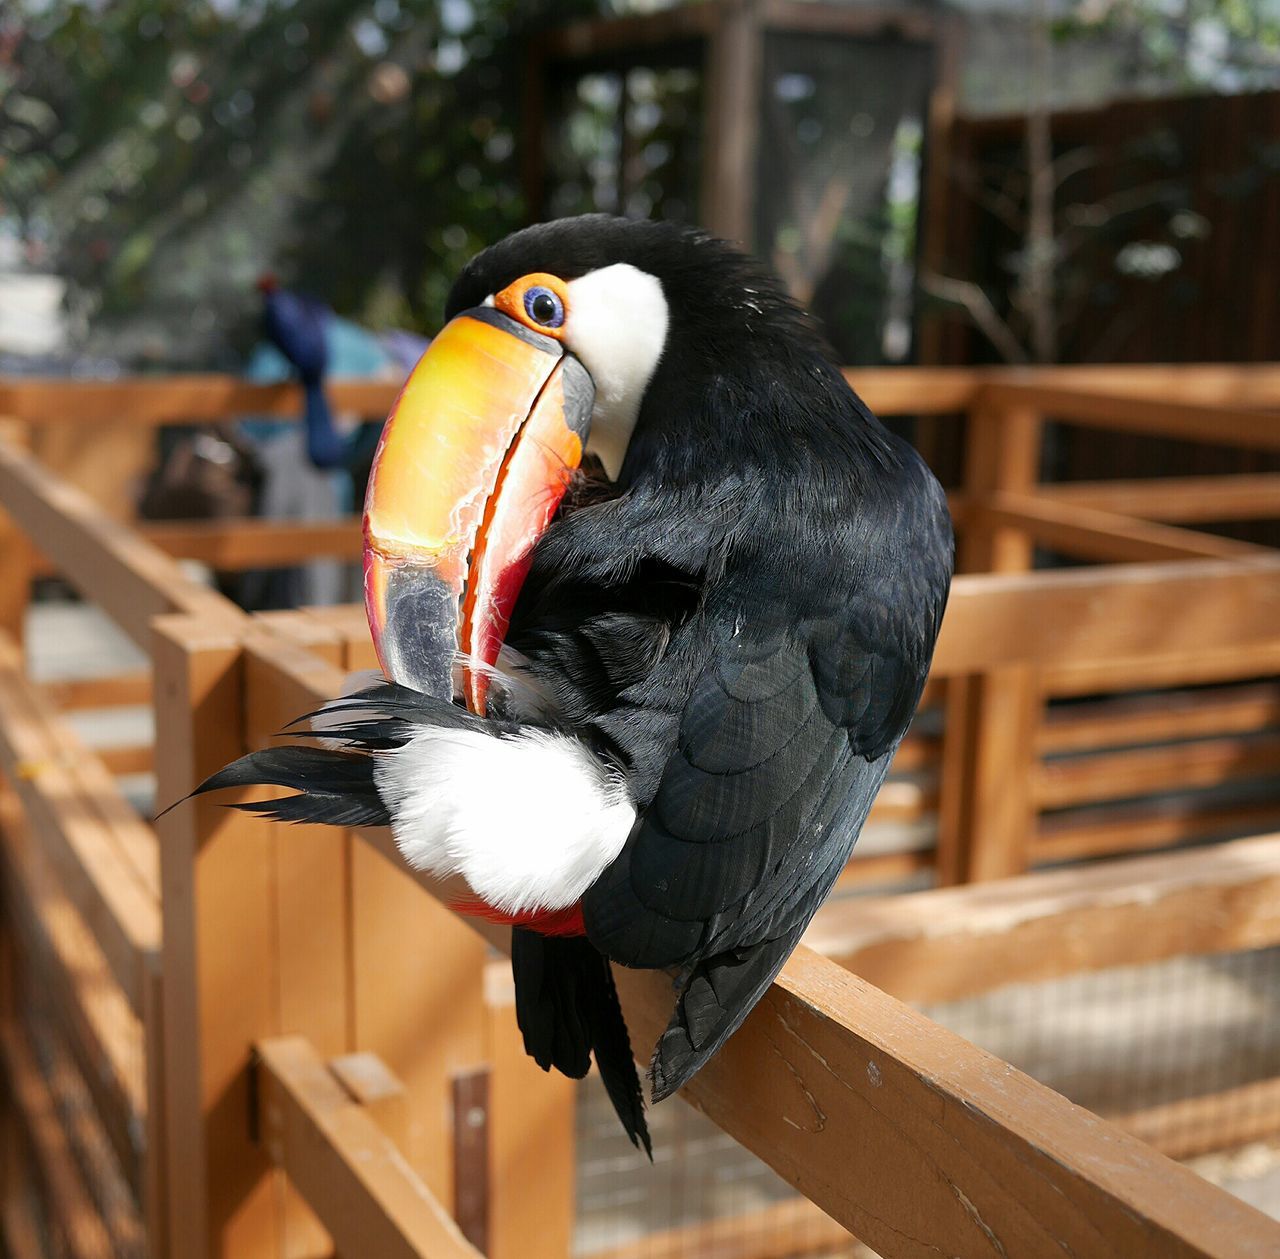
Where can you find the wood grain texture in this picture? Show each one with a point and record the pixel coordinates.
(921, 1144)
(1217, 424)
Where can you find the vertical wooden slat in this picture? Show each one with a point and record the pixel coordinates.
(415, 977)
(731, 90)
(17, 556)
(531, 1123)
(220, 953)
(986, 814)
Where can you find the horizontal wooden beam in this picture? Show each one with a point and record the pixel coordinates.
(180, 399)
(1224, 1120)
(1119, 774)
(104, 559)
(234, 545)
(1217, 425)
(111, 691)
(1185, 500)
(953, 942)
(1207, 384)
(1134, 719)
(1128, 827)
(1143, 671)
(1091, 615)
(346, 1168)
(1087, 533)
(918, 391)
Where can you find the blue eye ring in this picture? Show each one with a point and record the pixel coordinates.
(543, 306)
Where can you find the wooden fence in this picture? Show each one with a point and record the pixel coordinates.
(224, 1037)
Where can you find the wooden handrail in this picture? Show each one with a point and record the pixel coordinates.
(1087, 616)
(350, 1172)
(199, 398)
(953, 942)
(103, 558)
(1217, 425)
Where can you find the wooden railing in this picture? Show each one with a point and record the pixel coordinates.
(209, 980)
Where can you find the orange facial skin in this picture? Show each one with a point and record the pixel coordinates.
(511, 301)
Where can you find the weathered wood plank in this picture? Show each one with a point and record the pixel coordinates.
(345, 1166)
(921, 1144)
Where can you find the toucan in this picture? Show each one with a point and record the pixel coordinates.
(654, 595)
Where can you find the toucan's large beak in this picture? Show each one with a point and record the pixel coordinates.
(473, 462)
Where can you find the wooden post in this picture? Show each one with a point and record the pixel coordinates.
(220, 953)
(731, 90)
(986, 815)
(531, 1122)
(17, 556)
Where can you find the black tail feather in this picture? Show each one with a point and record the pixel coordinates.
(333, 787)
(567, 1008)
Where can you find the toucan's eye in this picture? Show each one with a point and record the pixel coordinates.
(539, 301)
(544, 307)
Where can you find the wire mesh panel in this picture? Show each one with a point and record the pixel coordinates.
(842, 126)
(1184, 1053)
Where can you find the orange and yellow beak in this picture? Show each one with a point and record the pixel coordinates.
(473, 462)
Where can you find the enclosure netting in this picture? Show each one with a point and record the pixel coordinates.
(1121, 1041)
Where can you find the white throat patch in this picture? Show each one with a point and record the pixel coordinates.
(617, 325)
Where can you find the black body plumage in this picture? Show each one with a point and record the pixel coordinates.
(743, 626)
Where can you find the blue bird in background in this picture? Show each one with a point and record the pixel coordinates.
(296, 325)
(316, 471)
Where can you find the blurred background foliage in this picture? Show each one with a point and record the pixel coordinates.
(158, 155)
(163, 153)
